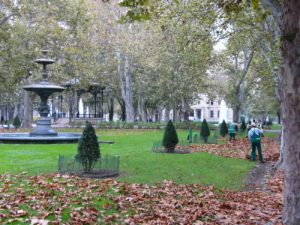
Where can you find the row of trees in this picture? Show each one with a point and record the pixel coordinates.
(90, 45)
(159, 64)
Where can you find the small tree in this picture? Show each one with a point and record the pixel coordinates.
(190, 135)
(88, 148)
(204, 132)
(17, 122)
(170, 138)
(223, 129)
(243, 126)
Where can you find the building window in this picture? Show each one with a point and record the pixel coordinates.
(218, 113)
(199, 114)
(219, 102)
(211, 102)
(211, 114)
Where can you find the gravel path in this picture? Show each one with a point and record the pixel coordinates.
(258, 177)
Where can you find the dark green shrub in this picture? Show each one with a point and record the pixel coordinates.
(269, 122)
(17, 122)
(223, 129)
(243, 126)
(88, 148)
(170, 138)
(190, 135)
(204, 132)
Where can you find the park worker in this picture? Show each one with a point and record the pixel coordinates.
(254, 136)
(232, 131)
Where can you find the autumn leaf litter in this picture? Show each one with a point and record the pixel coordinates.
(62, 199)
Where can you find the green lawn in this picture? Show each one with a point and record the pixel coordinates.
(138, 163)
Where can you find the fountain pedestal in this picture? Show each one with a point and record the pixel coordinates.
(43, 127)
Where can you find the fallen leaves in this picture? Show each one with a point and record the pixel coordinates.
(55, 199)
(62, 199)
(239, 148)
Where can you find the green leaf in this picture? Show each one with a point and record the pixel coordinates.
(255, 4)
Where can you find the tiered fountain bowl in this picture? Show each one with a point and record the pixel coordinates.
(43, 133)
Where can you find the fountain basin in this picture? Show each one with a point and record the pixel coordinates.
(25, 138)
(44, 87)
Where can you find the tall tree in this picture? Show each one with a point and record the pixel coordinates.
(291, 110)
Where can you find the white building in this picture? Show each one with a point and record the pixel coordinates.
(211, 110)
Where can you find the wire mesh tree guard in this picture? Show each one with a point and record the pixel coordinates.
(106, 166)
(185, 146)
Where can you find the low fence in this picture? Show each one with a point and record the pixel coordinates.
(212, 139)
(106, 166)
(181, 147)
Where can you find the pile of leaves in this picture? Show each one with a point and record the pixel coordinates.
(240, 148)
(56, 199)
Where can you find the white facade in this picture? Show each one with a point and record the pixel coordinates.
(212, 110)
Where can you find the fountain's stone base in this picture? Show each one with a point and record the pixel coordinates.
(26, 138)
(43, 128)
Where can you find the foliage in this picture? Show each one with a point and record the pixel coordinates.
(17, 122)
(223, 129)
(170, 138)
(99, 206)
(205, 131)
(88, 148)
(243, 126)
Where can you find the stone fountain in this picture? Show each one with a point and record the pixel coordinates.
(43, 133)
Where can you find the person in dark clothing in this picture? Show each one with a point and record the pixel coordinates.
(254, 136)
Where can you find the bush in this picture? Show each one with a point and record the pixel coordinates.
(17, 122)
(88, 148)
(223, 129)
(269, 122)
(204, 132)
(243, 126)
(190, 135)
(170, 138)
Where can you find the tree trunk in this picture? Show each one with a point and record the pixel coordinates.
(185, 113)
(167, 114)
(28, 109)
(125, 87)
(128, 93)
(279, 117)
(236, 113)
(141, 103)
(16, 110)
(111, 109)
(291, 111)
(241, 85)
(71, 106)
(175, 114)
(123, 109)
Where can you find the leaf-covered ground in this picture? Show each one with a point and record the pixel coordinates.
(240, 148)
(57, 199)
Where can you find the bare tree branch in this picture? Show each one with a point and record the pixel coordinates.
(7, 18)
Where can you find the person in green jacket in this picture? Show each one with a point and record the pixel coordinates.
(232, 131)
(254, 136)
